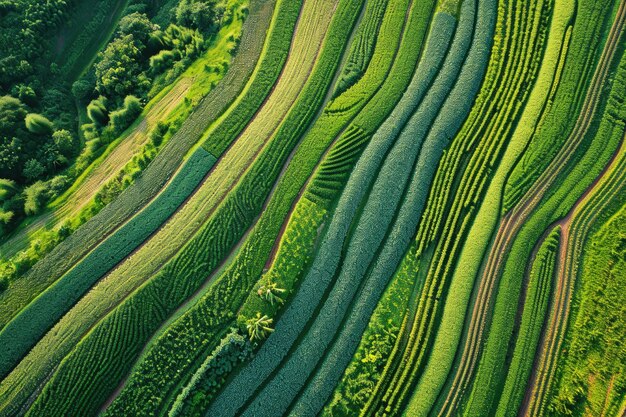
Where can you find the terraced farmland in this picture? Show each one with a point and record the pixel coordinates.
(326, 207)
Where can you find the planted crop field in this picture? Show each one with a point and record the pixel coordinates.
(328, 208)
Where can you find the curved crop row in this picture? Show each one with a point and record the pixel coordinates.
(192, 331)
(558, 187)
(162, 294)
(120, 283)
(457, 196)
(152, 180)
(313, 285)
(575, 227)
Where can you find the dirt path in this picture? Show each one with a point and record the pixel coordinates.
(573, 232)
(513, 221)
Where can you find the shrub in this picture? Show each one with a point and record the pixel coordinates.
(33, 169)
(65, 142)
(38, 124)
(97, 112)
(35, 197)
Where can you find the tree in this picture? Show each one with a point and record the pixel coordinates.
(65, 142)
(118, 68)
(38, 124)
(196, 14)
(12, 113)
(33, 169)
(259, 327)
(35, 197)
(139, 26)
(82, 89)
(269, 292)
(122, 118)
(97, 112)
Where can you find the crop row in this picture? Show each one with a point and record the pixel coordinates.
(194, 331)
(534, 304)
(335, 127)
(576, 225)
(83, 240)
(474, 157)
(587, 38)
(392, 200)
(119, 284)
(34, 320)
(242, 205)
(362, 46)
(178, 280)
(442, 356)
(400, 374)
(314, 284)
(568, 175)
(445, 125)
(596, 317)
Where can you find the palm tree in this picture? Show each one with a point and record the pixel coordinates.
(259, 327)
(269, 292)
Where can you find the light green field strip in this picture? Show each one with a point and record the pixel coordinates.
(448, 337)
(142, 264)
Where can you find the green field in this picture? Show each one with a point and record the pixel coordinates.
(313, 207)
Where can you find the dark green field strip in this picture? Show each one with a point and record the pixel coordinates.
(576, 166)
(145, 187)
(21, 333)
(89, 374)
(588, 36)
(362, 47)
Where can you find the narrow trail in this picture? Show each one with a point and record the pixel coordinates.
(574, 228)
(513, 221)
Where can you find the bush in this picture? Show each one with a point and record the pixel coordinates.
(35, 197)
(65, 142)
(33, 169)
(97, 112)
(124, 117)
(38, 124)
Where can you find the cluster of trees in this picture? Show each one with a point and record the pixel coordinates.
(40, 148)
